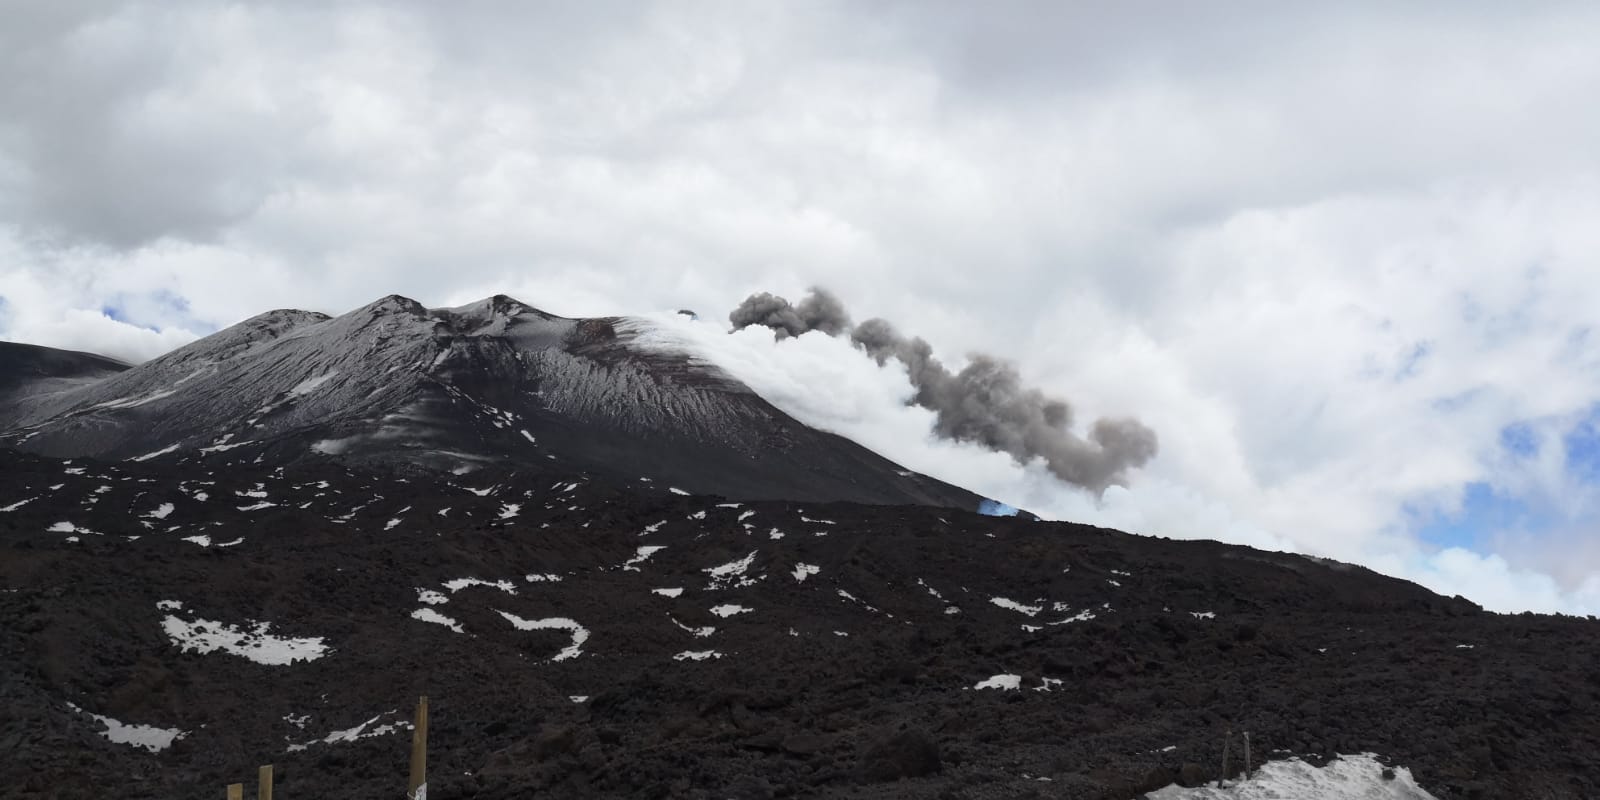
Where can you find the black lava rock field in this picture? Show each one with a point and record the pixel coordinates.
(165, 628)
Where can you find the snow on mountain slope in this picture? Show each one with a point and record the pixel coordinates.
(457, 389)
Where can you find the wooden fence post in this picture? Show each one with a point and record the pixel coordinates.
(1247, 755)
(264, 783)
(1227, 741)
(418, 788)
(235, 791)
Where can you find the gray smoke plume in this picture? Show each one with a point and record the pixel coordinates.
(985, 402)
(820, 311)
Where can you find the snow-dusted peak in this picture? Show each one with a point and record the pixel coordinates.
(281, 320)
(392, 304)
(491, 382)
(501, 315)
(489, 308)
(237, 338)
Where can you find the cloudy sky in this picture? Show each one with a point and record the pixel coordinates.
(1342, 259)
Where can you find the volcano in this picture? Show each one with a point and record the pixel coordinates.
(495, 382)
(616, 572)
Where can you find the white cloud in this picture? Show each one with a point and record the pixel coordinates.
(1328, 254)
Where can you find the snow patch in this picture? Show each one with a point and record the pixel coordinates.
(673, 592)
(429, 615)
(1002, 682)
(698, 633)
(148, 737)
(729, 610)
(640, 556)
(1358, 777)
(254, 643)
(579, 633)
(1012, 605)
(310, 385)
(131, 402)
(802, 571)
(696, 655)
(224, 447)
(147, 456)
(461, 583)
(1082, 616)
(358, 732)
(731, 572)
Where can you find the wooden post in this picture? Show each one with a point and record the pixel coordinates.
(235, 791)
(1247, 755)
(418, 787)
(1227, 741)
(264, 783)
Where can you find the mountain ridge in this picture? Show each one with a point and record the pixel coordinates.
(456, 389)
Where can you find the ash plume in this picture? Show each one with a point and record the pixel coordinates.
(820, 311)
(985, 402)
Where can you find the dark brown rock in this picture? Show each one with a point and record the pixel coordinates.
(904, 754)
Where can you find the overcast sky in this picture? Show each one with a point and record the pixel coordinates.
(1341, 257)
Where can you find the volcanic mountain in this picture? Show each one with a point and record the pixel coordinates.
(615, 572)
(495, 382)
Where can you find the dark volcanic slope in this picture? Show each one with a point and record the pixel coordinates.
(492, 383)
(765, 649)
(31, 375)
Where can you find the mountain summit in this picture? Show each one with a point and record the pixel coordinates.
(492, 383)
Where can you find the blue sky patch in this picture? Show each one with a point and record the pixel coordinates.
(153, 311)
(1520, 440)
(1582, 444)
(1487, 511)
(1484, 513)
(1412, 363)
(115, 313)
